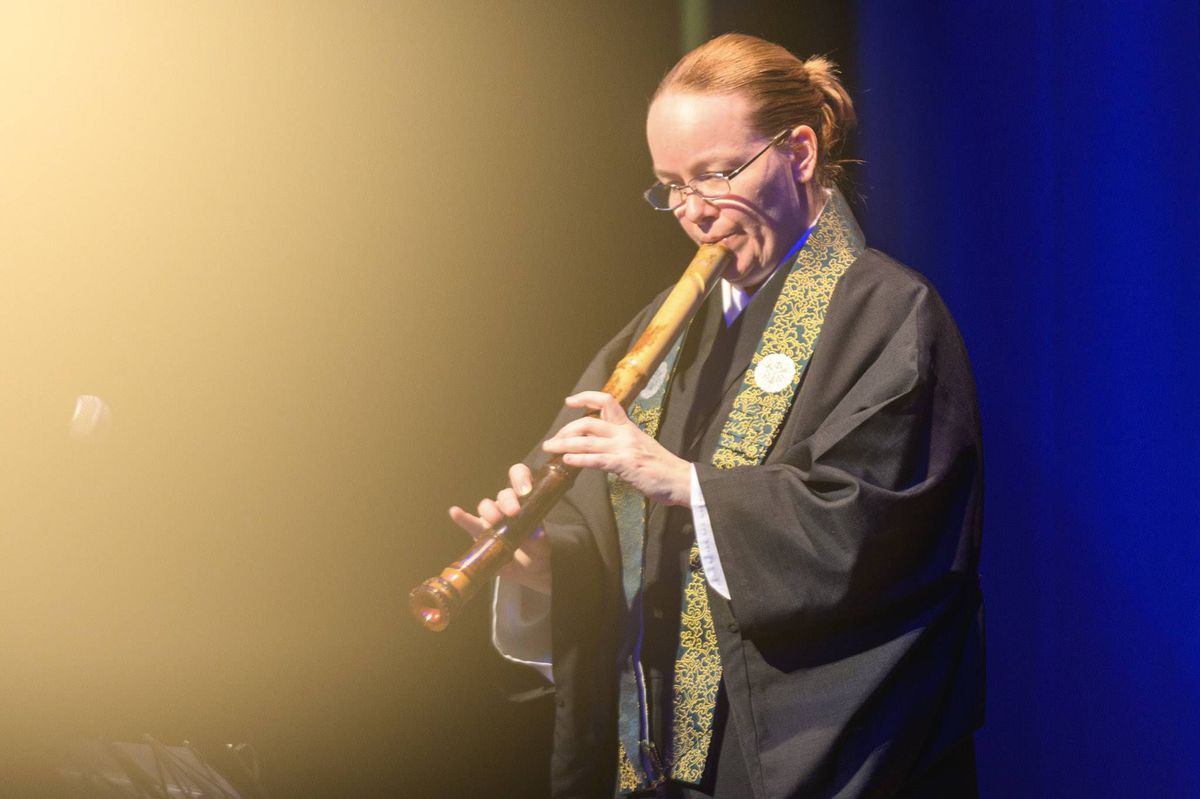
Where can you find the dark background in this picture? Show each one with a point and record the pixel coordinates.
(334, 265)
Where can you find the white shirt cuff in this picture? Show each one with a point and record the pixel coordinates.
(704, 539)
(521, 626)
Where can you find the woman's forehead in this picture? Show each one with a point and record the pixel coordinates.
(687, 114)
(688, 132)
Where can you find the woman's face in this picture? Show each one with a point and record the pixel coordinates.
(769, 204)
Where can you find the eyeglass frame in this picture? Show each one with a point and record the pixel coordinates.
(726, 176)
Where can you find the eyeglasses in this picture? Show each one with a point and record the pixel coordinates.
(710, 185)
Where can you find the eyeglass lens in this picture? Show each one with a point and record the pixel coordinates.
(668, 198)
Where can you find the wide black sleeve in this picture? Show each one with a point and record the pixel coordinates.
(868, 505)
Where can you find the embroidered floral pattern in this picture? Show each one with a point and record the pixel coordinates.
(697, 677)
(627, 773)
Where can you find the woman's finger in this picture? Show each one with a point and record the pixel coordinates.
(520, 478)
(597, 460)
(472, 524)
(610, 409)
(587, 426)
(490, 512)
(578, 444)
(507, 501)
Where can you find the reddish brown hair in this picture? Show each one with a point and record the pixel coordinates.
(784, 91)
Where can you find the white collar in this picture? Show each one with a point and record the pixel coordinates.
(734, 300)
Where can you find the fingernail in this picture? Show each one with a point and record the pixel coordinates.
(525, 488)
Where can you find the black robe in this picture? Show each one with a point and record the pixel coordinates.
(852, 648)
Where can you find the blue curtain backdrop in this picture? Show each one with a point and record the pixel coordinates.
(1041, 163)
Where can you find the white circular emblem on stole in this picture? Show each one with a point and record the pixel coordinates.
(656, 382)
(774, 373)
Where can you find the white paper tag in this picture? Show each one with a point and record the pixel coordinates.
(774, 373)
(656, 382)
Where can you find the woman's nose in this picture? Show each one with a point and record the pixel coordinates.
(696, 209)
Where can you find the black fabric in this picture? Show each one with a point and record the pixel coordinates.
(711, 366)
(951, 777)
(852, 648)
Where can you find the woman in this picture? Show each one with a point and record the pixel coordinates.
(765, 582)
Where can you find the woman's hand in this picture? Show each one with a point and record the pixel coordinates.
(614, 444)
(530, 565)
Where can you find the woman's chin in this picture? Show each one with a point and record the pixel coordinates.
(748, 275)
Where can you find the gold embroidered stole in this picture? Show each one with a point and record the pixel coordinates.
(759, 409)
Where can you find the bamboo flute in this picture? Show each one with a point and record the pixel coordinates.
(437, 600)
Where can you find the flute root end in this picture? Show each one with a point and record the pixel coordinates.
(433, 603)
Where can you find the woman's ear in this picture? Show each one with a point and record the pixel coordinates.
(803, 145)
